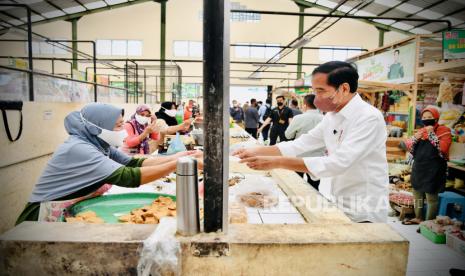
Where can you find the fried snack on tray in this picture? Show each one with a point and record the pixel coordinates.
(87, 217)
(258, 200)
(151, 214)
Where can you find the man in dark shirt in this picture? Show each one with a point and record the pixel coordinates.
(280, 116)
(236, 112)
(252, 118)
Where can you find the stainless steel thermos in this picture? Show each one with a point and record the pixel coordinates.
(187, 197)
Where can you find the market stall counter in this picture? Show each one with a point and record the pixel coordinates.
(294, 232)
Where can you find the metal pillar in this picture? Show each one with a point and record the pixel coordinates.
(162, 49)
(216, 118)
(126, 81)
(269, 92)
(145, 86)
(74, 37)
(29, 47)
(300, 50)
(136, 85)
(381, 33)
(179, 85)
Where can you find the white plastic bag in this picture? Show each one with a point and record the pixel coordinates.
(176, 145)
(159, 255)
(253, 192)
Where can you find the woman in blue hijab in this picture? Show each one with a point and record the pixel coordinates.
(82, 166)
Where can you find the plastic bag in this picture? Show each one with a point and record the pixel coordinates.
(252, 192)
(176, 145)
(450, 114)
(159, 255)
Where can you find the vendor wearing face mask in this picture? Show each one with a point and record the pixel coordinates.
(87, 163)
(354, 134)
(281, 117)
(167, 113)
(429, 150)
(141, 129)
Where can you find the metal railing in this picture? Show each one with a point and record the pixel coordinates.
(50, 87)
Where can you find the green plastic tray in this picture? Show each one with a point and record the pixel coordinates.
(110, 207)
(459, 162)
(430, 235)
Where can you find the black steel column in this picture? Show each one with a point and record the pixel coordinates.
(216, 118)
(126, 81)
(94, 59)
(145, 86)
(179, 98)
(162, 48)
(136, 85)
(29, 48)
(269, 92)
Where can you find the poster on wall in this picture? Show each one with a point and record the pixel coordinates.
(302, 85)
(393, 66)
(191, 90)
(453, 44)
(243, 94)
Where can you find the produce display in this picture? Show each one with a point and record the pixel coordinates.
(160, 207)
(88, 217)
(401, 199)
(443, 224)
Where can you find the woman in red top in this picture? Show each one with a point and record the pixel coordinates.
(140, 129)
(429, 149)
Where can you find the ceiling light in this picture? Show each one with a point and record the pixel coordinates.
(301, 42)
(269, 64)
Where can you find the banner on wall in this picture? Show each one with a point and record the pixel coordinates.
(301, 85)
(18, 63)
(393, 66)
(191, 90)
(453, 44)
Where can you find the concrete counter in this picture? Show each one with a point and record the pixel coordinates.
(34, 248)
(327, 244)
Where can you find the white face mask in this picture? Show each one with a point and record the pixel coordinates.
(142, 119)
(171, 112)
(113, 138)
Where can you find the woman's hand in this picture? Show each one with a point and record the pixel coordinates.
(192, 153)
(199, 118)
(186, 124)
(419, 134)
(429, 129)
(199, 163)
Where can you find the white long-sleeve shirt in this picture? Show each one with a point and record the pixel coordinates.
(356, 165)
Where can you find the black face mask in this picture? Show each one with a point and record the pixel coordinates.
(429, 122)
(280, 104)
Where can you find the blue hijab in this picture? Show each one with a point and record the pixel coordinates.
(83, 159)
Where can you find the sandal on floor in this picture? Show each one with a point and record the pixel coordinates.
(410, 222)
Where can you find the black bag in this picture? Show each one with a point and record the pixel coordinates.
(12, 105)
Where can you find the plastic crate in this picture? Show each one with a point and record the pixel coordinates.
(430, 235)
(456, 244)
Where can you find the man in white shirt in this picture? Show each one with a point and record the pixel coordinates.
(354, 134)
(302, 124)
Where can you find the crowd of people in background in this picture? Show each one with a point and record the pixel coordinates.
(146, 130)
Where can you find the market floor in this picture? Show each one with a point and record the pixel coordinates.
(425, 257)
